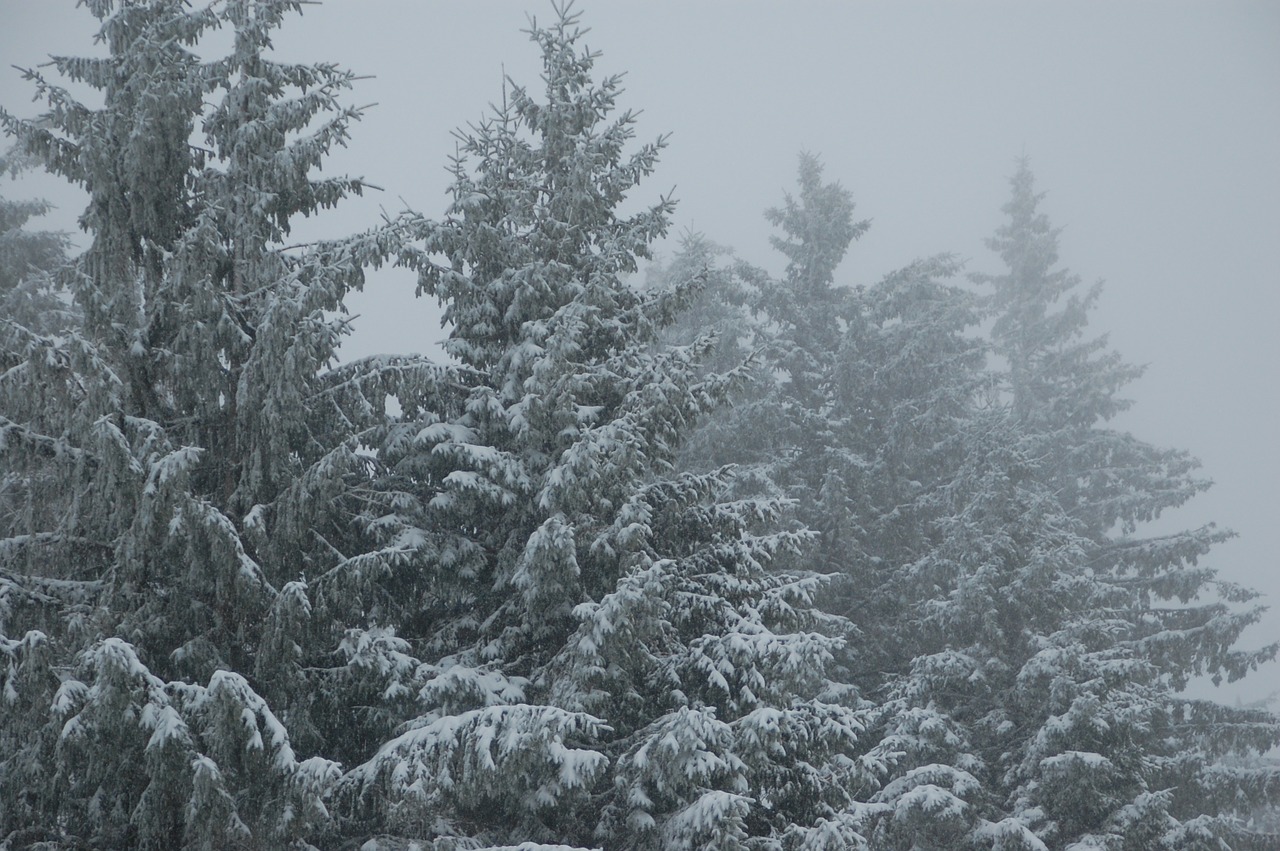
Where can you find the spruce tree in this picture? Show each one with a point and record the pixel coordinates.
(804, 314)
(906, 377)
(720, 292)
(605, 660)
(201, 447)
(1050, 701)
(28, 260)
(861, 414)
(1175, 617)
(782, 433)
(30, 304)
(30, 494)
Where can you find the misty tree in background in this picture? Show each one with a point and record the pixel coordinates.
(906, 377)
(151, 677)
(721, 292)
(802, 315)
(1024, 644)
(1052, 710)
(1156, 611)
(870, 425)
(28, 259)
(859, 414)
(806, 304)
(29, 303)
(780, 431)
(605, 660)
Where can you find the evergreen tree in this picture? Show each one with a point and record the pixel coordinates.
(29, 303)
(720, 293)
(863, 416)
(892, 418)
(1048, 712)
(28, 260)
(201, 448)
(803, 317)
(1063, 389)
(906, 377)
(858, 416)
(1062, 386)
(605, 660)
(806, 305)
(781, 433)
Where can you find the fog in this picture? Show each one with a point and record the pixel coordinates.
(1154, 129)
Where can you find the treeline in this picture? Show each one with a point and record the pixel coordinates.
(725, 561)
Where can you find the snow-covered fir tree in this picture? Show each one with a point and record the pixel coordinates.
(721, 291)
(802, 317)
(29, 303)
(200, 444)
(720, 295)
(872, 444)
(903, 387)
(1048, 714)
(780, 432)
(31, 492)
(28, 260)
(857, 413)
(604, 658)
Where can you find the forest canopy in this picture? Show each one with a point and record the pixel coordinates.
(664, 553)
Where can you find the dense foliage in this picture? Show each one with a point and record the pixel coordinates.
(728, 561)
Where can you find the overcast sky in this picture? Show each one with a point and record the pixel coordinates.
(1154, 127)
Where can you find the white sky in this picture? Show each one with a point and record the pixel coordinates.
(1154, 127)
